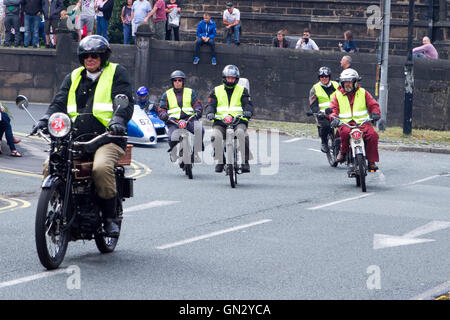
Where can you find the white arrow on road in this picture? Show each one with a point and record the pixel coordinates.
(381, 241)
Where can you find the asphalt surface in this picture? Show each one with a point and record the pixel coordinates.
(294, 228)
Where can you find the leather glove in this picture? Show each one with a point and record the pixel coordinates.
(41, 125)
(335, 122)
(210, 116)
(117, 129)
(375, 116)
(320, 116)
(164, 116)
(198, 114)
(248, 114)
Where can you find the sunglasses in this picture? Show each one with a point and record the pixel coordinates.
(92, 55)
(177, 80)
(324, 76)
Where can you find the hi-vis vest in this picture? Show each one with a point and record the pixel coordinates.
(322, 97)
(360, 112)
(225, 107)
(102, 108)
(174, 109)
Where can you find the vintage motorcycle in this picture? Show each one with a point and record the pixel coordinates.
(67, 209)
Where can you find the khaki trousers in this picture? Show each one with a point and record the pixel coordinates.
(105, 159)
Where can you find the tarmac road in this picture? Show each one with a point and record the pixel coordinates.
(294, 228)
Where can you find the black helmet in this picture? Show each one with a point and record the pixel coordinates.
(94, 44)
(230, 71)
(177, 74)
(324, 71)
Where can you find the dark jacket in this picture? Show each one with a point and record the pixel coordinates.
(51, 8)
(276, 43)
(32, 7)
(164, 105)
(107, 9)
(246, 102)
(86, 122)
(12, 7)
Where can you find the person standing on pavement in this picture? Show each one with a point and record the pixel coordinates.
(51, 10)
(32, 10)
(159, 10)
(346, 62)
(12, 21)
(140, 13)
(104, 12)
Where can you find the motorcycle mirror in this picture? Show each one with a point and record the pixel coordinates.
(22, 102)
(120, 101)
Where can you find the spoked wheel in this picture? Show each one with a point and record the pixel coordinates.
(331, 154)
(235, 171)
(51, 241)
(361, 176)
(107, 244)
(231, 174)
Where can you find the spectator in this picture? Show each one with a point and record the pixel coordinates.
(159, 10)
(279, 41)
(346, 62)
(206, 33)
(173, 10)
(140, 13)
(51, 10)
(427, 50)
(2, 22)
(104, 12)
(306, 43)
(12, 21)
(5, 127)
(126, 21)
(232, 22)
(32, 10)
(349, 43)
(86, 18)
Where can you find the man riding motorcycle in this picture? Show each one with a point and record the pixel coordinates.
(143, 99)
(86, 95)
(319, 99)
(179, 103)
(233, 99)
(353, 104)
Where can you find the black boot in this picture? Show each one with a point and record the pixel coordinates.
(109, 210)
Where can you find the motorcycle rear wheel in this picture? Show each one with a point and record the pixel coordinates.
(51, 242)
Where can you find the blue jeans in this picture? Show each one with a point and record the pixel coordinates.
(102, 27)
(126, 33)
(419, 55)
(210, 43)
(5, 127)
(31, 30)
(236, 30)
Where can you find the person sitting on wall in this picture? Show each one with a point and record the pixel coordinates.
(206, 33)
(280, 41)
(306, 43)
(5, 127)
(232, 22)
(427, 50)
(349, 43)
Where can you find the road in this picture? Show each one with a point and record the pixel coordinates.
(294, 228)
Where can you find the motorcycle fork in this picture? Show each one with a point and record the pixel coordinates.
(229, 145)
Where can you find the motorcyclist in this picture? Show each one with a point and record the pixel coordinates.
(353, 104)
(86, 95)
(233, 99)
(143, 99)
(180, 103)
(319, 100)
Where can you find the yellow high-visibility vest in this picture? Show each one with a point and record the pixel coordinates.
(360, 112)
(322, 97)
(174, 109)
(232, 107)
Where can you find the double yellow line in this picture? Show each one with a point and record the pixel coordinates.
(140, 170)
(13, 204)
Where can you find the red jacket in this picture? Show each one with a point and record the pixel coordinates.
(371, 104)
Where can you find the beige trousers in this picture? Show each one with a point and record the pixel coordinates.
(105, 159)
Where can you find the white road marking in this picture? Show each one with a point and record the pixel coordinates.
(340, 201)
(31, 278)
(149, 205)
(425, 179)
(314, 150)
(429, 294)
(212, 234)
(293, 140)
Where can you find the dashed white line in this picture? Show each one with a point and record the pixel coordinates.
(340, 201)
(31, 278)
(212, 234)
(292, 140)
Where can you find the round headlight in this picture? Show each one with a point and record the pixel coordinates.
(59, 125)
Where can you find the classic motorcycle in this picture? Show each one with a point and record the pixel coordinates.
(185, 150)
(67, 208)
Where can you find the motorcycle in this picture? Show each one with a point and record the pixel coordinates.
(67, 209)
(232, 160)
(333, 139)
(357, 166)
(186, 152)
(145, 128)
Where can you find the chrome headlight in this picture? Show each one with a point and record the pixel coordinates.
(59, 125)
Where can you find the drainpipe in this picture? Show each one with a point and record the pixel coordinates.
(430, 19)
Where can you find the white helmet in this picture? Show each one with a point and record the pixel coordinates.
(349, 75)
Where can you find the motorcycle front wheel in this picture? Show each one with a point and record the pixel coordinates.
(331, 154)
(105, 244)
(51, 241)
(360, 162)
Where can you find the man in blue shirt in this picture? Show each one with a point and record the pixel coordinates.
(140, 13)
(206, 32)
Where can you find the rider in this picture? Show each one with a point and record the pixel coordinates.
(319, 99)
(232, 99)
(179, 103)
(86, 95)
(353, 104)
(143, 99)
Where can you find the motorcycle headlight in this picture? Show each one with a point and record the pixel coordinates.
(59, 125)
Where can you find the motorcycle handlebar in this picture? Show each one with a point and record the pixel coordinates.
(353, 127)
(234, 121)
